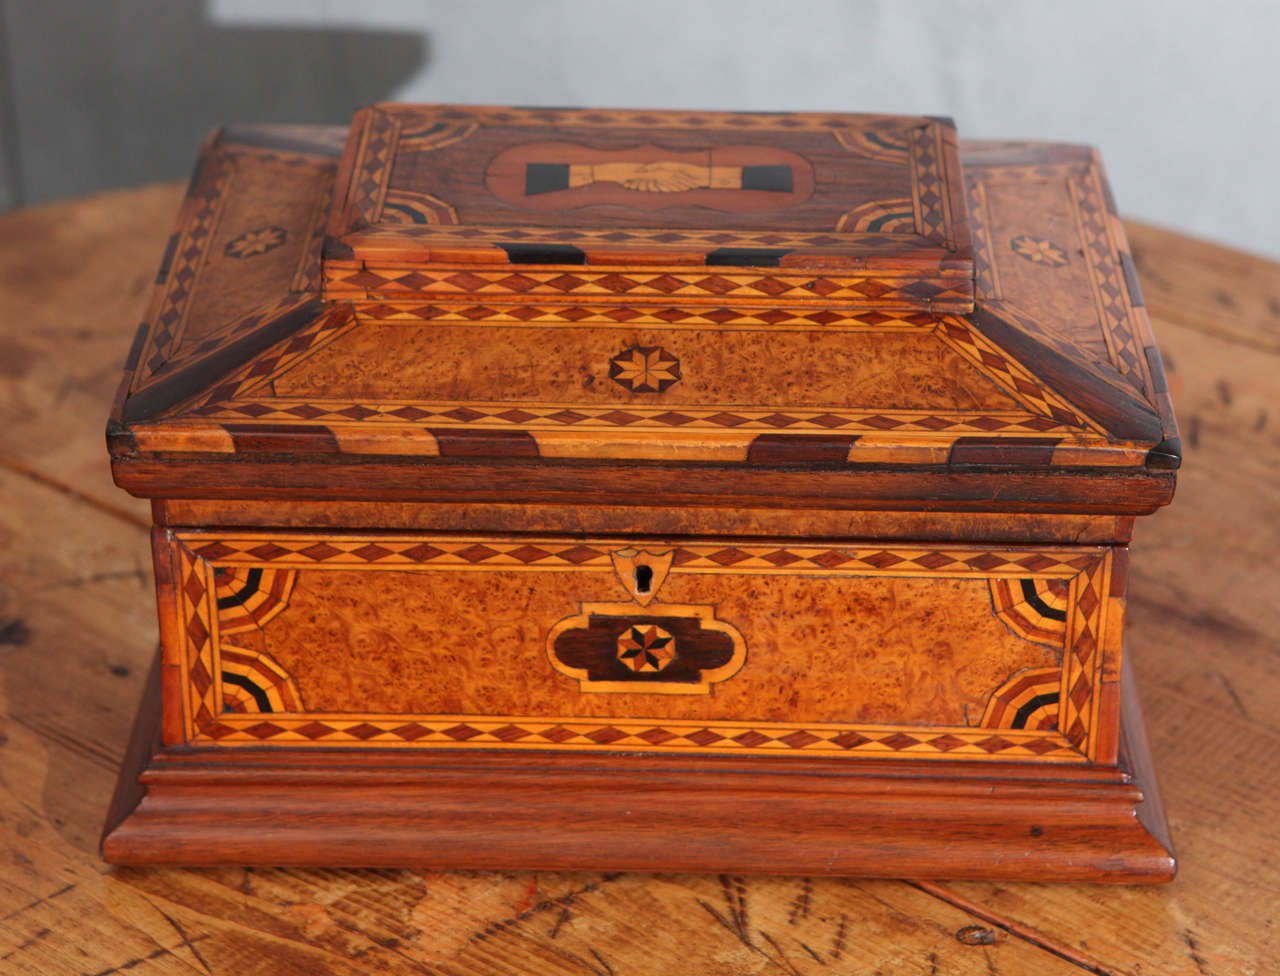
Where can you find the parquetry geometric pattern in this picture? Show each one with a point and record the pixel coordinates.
(1028, 700)
(248, 598)
(1033, 608)
(253, 682)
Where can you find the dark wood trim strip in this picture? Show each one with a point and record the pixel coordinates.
(783, 449)
(282, 439)
(1131, 279)
(1025, 452)
(459, 477)
(456, 443)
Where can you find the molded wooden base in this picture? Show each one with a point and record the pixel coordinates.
(557, 811)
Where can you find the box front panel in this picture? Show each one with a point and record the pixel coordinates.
(429, 641)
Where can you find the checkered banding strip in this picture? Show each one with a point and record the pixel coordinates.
(258, 154)
(361, 282)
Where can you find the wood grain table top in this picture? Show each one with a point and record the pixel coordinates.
(77, 630)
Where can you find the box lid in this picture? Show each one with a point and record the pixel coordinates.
(441, 201)
(252, 378)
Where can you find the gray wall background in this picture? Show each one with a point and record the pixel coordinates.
(1182, 96)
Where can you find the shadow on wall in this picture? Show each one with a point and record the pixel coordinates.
(121, 92)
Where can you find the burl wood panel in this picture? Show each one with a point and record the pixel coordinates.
(856, 649)
(907, 369)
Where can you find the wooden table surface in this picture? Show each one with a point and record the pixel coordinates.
(77, 631)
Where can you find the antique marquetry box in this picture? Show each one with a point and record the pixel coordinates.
(644, 490)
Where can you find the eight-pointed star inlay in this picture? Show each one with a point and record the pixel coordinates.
(1038, 251)
(646, 648)
(258, 241)
(644, 369)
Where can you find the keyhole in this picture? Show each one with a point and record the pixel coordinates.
(644, 578)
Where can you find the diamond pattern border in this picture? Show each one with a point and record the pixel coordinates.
(929, 190)
(168, 318)
(1083, 658)
(583, 417)
(692, 316)
(308, 551)
(368, 187)
(507, 732)
(359, 282)
(1105, 276)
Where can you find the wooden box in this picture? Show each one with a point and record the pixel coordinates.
(644, 490)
